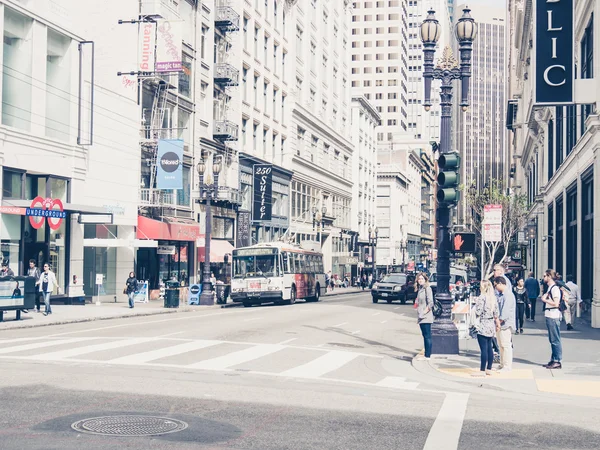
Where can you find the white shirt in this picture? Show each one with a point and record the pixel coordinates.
(555, 312)
(575, 292)
(51, 281)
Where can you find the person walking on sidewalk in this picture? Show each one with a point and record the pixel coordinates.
(46, 287)
(521, 297)
(424, 312)
(131, 285)
(553, 316)
(34, 272)
(486, 308)
(533, 292)
(574, 300)
(507, 306)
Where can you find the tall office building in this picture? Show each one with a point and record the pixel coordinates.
(481, 135)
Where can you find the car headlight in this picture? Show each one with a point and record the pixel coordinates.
(397, 288)
(375, 286)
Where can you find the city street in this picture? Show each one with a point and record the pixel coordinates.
(333, 375)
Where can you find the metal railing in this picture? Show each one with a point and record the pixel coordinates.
(225, 130)
(227, 74)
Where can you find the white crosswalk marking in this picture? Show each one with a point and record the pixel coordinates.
(239, 357)
(397, 382)
(36, 345)
(326, 363)
(144, 357)
(53, 356)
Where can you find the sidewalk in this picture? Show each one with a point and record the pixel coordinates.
(62, 314)
(580, 375)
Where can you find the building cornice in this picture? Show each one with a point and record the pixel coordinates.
(368, 108)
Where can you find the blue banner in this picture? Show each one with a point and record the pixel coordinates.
(554, 59)
(169, 164)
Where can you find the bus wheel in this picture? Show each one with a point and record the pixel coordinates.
(317, 295)
(292, 299)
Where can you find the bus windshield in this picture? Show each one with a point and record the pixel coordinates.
(254, 266)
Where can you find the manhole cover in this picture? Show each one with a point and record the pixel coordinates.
(129, 425)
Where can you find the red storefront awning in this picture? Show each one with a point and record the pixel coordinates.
(173, 230)
(218, 249)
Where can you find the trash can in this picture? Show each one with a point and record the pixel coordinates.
(172, 294)
(222, 291)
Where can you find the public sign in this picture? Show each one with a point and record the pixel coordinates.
(141, 295)
(492, 223)
(194, 294)
(169, 164)
(243, 229)
(554, 56)
(263, 192)
(169, 46)
(99, 278)
(165, 250)
(464, 243)
(146, 44)
(43, 209)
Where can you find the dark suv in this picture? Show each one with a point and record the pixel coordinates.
(395, 286)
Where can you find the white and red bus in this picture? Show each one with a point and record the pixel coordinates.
(276, 272)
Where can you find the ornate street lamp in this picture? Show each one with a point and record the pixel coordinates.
(444, 332)
(211, 190)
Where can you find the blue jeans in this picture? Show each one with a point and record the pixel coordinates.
(130, 297)
(426, 332)
(487, 352)
(553, 326)
(48, 309)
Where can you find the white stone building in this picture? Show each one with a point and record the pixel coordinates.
(556, 149)
(49, 149)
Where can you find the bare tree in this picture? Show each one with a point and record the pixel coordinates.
(514, 210)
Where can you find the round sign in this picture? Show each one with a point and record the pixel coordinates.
(170, 162)
(54, 205)
(37, 222)
(194, 289)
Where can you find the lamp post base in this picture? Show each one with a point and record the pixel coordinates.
(207, 298)
(444, 334)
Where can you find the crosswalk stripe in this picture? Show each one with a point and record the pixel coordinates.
(235, 358)
(53, 356)
(326, 363)
(36, 345)
(144, 357)
(397, 382)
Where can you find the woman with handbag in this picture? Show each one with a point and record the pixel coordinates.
(424, 305)
(485, 324)
(130, 288)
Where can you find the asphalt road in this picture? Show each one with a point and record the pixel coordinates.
(331, 375)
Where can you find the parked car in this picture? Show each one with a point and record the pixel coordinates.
(395, 286)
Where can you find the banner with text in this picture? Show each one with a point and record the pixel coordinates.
(169, 164)
(243, 230)
(146, 44)
(554, 56)
(263, 192)
(168, 46)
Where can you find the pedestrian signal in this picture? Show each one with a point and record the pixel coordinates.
(464, 243)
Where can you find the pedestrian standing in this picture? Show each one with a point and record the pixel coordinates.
(553, 316)
(486, 308)
(424, 312)
(533, 292)
(34, 272)
(521, 296)
(507, 306)
(46, 287)
(363, 281)
(131, 285)
(574, 300)
(499, 271)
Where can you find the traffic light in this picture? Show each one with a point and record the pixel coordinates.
(448, 178)
(464, 243)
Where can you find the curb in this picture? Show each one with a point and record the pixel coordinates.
(352, 292)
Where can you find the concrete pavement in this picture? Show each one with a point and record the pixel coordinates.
(64, 314)
(580, 375)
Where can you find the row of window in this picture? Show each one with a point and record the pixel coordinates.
(378, 30)
(368, 44)
(369, 17)
(379, 4)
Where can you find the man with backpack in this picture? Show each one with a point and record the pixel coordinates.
(552, 299)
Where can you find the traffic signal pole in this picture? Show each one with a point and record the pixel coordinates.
(444, 332)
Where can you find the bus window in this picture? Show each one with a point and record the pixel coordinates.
(320, 264)
(313, 264)
(285, 259)
(302, 258)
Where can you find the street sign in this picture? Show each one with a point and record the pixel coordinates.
(492, 223)
(464, 243)
(492, 233)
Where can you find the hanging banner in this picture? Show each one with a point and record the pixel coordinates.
(554, 56)
(146, 44)
(263, 192)
(168, 46)
(169, 164)
(492, 223)
(243, 230)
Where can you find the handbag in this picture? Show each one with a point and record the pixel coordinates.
(475, 327)
(125, 290)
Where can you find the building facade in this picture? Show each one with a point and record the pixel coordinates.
(54, 147)
(558, 161)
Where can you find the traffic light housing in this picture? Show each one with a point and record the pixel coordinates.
(448, 178)
(464, 242)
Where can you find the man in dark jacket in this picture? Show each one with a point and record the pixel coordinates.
(533, 292)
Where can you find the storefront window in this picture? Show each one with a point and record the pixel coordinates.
(10, 235)
(57, 255)
(175, 266)
(12, 184)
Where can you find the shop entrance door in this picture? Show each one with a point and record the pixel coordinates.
(38, 251)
